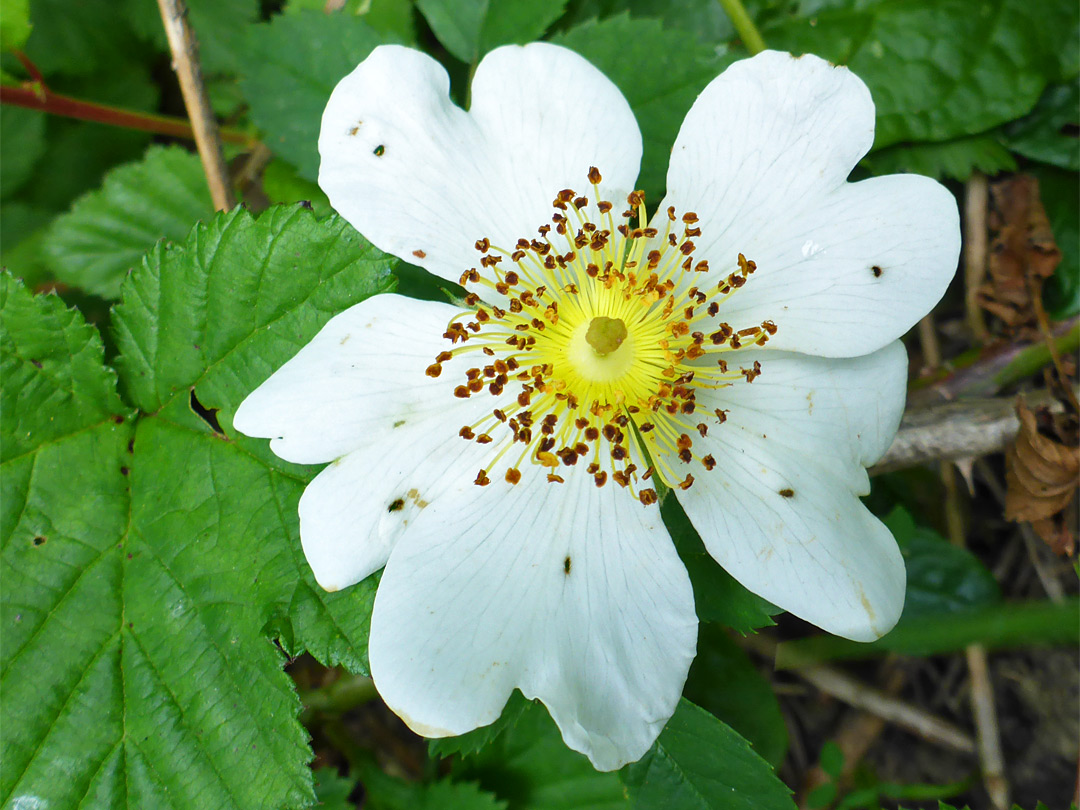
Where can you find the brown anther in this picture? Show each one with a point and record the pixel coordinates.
(703, 429)
(554, 479)
(713, 309)
(581, 202)
(645, 427)
(483, 245)
(475, 385)
(434, 370)
(604, 206)
(702, 266)
(467, 433)
(769, 327)
(600, 478)
(709, 462)
(419, 254)
(689, 217)
(691, 231)
(461, 392)
(517, 255)
(594, 175)
(685, 456)
(647, 496)
(482, 315)
(686, 248)
(618, 452)
(483, 438)
(501, 416)
(636, 198)
(513, 475)
(592, 434)
(481, 479)
(721, 415)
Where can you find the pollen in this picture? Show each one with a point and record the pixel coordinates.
(595, 338)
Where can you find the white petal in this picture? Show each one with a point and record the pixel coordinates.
(424, 180)
(841, 413)
(762, 158)
(780, 512)
(355, 510)
(571, 593)
(361, 377)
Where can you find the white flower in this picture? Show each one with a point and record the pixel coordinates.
(493, 456)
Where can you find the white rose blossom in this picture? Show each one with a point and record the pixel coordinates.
(500, 457)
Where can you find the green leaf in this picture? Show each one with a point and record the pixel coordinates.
(55, 384)
(941, 578)
(79, 153)
(292, 64)
(1049, 134)
(947, 160)
(470, 28)
(22, 231)
(1060, 192)
(140, 573)
(14, 23)
(383, 792)
(77, 38)
(108, 231)
(477, 739)
(698, 763)
(393, 17)
(530, 767)
(332, 791)
(219, 28)
(718, 597)
(726, 684)
(1000, 55)
(658, 71)
(23, 134)
(282, 184)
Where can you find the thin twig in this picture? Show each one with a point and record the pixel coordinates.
(976, 199)
(185, 54)
(950, 431)
(843, 687)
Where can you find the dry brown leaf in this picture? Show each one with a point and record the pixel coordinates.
(1022, 252)
(1042, 477)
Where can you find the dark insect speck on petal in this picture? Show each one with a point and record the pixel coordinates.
(396, 505)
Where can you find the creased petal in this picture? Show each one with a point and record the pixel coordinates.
(780, 512)
(762, 158)
(571, 593)
(355, 510)
(424, 180)
(361, 377)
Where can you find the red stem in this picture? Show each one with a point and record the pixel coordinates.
(47, 101)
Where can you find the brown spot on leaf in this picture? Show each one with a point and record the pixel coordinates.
(40, 540)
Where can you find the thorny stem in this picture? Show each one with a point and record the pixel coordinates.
(745, 27)
(43, 99)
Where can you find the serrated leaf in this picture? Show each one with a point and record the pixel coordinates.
(14, 23)
(1049, 134)
(718, 597)
(529, 766)
(470, 28)
(219, 28)
(658, 71)
(474, 741)
(55, 383)
(941, 578)
(108, 231)
(725, 683)
(947, 160)
(698, 763)
(384, 792)
(1000, 56)
(134, 646)
(291, 65)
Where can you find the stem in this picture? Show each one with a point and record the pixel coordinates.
(185, 54)
(68, 107)
(745, 27)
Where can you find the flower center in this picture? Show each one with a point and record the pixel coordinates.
(596, 340)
